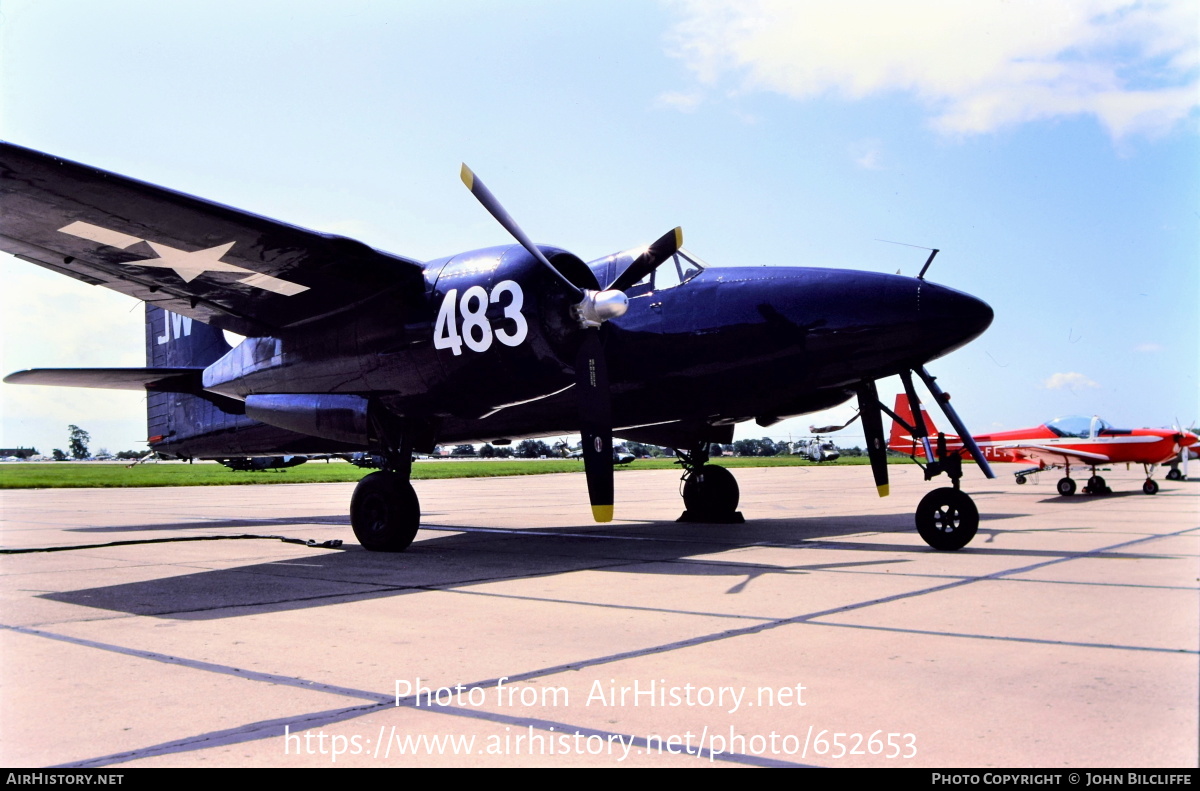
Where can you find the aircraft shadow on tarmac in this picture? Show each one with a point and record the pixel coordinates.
(481, 555)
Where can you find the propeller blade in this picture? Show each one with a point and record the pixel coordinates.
(872, 420)
(660, 250)
(595, 422)
(485, 197)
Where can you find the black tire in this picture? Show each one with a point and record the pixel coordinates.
(711, 491)
(947, 519)
(1020, 479)
(1174, 475)
(1096, 485)
(1150, 487)
(385, 512)
(1066, 486)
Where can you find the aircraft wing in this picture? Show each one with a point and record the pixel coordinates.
(224, 267)
(1054, 455)
(171, 380)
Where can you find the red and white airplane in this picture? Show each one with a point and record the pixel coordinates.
(1065, 441)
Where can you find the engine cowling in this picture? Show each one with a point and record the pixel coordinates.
(502, 330)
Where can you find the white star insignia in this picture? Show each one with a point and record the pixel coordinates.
(187, 265)
(190, 265)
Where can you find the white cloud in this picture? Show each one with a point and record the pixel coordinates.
(1148, 348)
(979, 65)
(685, 102)
(1068, 381)
(867, 154)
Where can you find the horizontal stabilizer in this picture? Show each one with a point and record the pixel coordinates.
(168, 380)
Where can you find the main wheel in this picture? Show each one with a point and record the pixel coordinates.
(1020, 479)
(1150, 487)
(947, 519)
(1066, 486)
(711, 491)
(385, 512)
(1096, 485)
(1174, 474)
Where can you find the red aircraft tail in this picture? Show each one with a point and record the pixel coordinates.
(901, 439)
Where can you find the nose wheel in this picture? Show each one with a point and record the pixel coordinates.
(947, 519)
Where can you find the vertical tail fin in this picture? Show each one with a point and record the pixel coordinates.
(901, 438)
(174, 341)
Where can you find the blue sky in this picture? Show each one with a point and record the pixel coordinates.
(1050, 151)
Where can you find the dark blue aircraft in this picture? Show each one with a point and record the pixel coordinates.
(349, 349)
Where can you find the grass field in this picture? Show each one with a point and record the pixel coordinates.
(77, 475)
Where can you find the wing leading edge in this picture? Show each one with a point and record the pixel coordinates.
(219, 265)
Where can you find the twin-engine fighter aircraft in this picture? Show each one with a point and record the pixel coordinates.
(1084, 442)
(350, 349)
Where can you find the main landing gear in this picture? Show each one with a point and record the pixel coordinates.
(384, 510)
(710, 493)
(1097, 485)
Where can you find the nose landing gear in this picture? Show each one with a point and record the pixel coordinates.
(947, 518)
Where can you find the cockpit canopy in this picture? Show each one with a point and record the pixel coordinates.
(679, 268)
(1078, 426)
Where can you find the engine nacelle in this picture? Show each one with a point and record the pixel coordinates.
(503, 320)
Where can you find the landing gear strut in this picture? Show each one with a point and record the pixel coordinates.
(947, 518)
(710, 493)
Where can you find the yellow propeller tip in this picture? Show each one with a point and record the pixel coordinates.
(602, 513)
(678, 237)
(883, 490)
(467, 176)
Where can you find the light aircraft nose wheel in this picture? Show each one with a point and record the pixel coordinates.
(1020, 479)
(1174, 475)
(1096, 485)
(1150, 487)
(385, 512)
(1066, 486)
(711, 492)
(947, 519)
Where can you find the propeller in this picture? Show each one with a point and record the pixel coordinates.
(591, 367)
(872, 420)
(659, 250)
